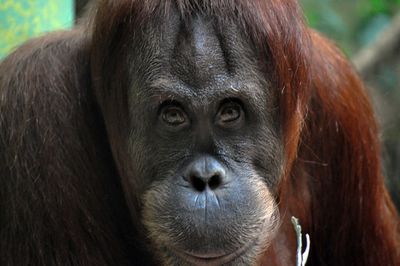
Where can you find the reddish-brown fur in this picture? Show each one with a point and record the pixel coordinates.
(332, 146)
(332, 179)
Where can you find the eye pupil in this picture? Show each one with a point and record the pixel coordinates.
(230, 113)
(173, 116)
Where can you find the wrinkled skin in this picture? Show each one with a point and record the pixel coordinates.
(206, 126)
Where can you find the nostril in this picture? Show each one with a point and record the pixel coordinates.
(205, 173)
(214, 182)
(198, 183)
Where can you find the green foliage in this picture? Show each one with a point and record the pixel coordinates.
(23, 19)
(352, 24)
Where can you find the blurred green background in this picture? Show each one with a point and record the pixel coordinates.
(21, 19)
(355, 26)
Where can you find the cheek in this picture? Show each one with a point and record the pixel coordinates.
(268, 158)
(137, 171)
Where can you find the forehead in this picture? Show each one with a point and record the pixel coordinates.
(200, 56)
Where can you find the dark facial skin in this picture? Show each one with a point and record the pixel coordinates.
(206, 126)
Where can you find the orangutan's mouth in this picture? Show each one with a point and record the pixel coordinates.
(214, 259)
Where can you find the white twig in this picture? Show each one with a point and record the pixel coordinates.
(301, 258)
